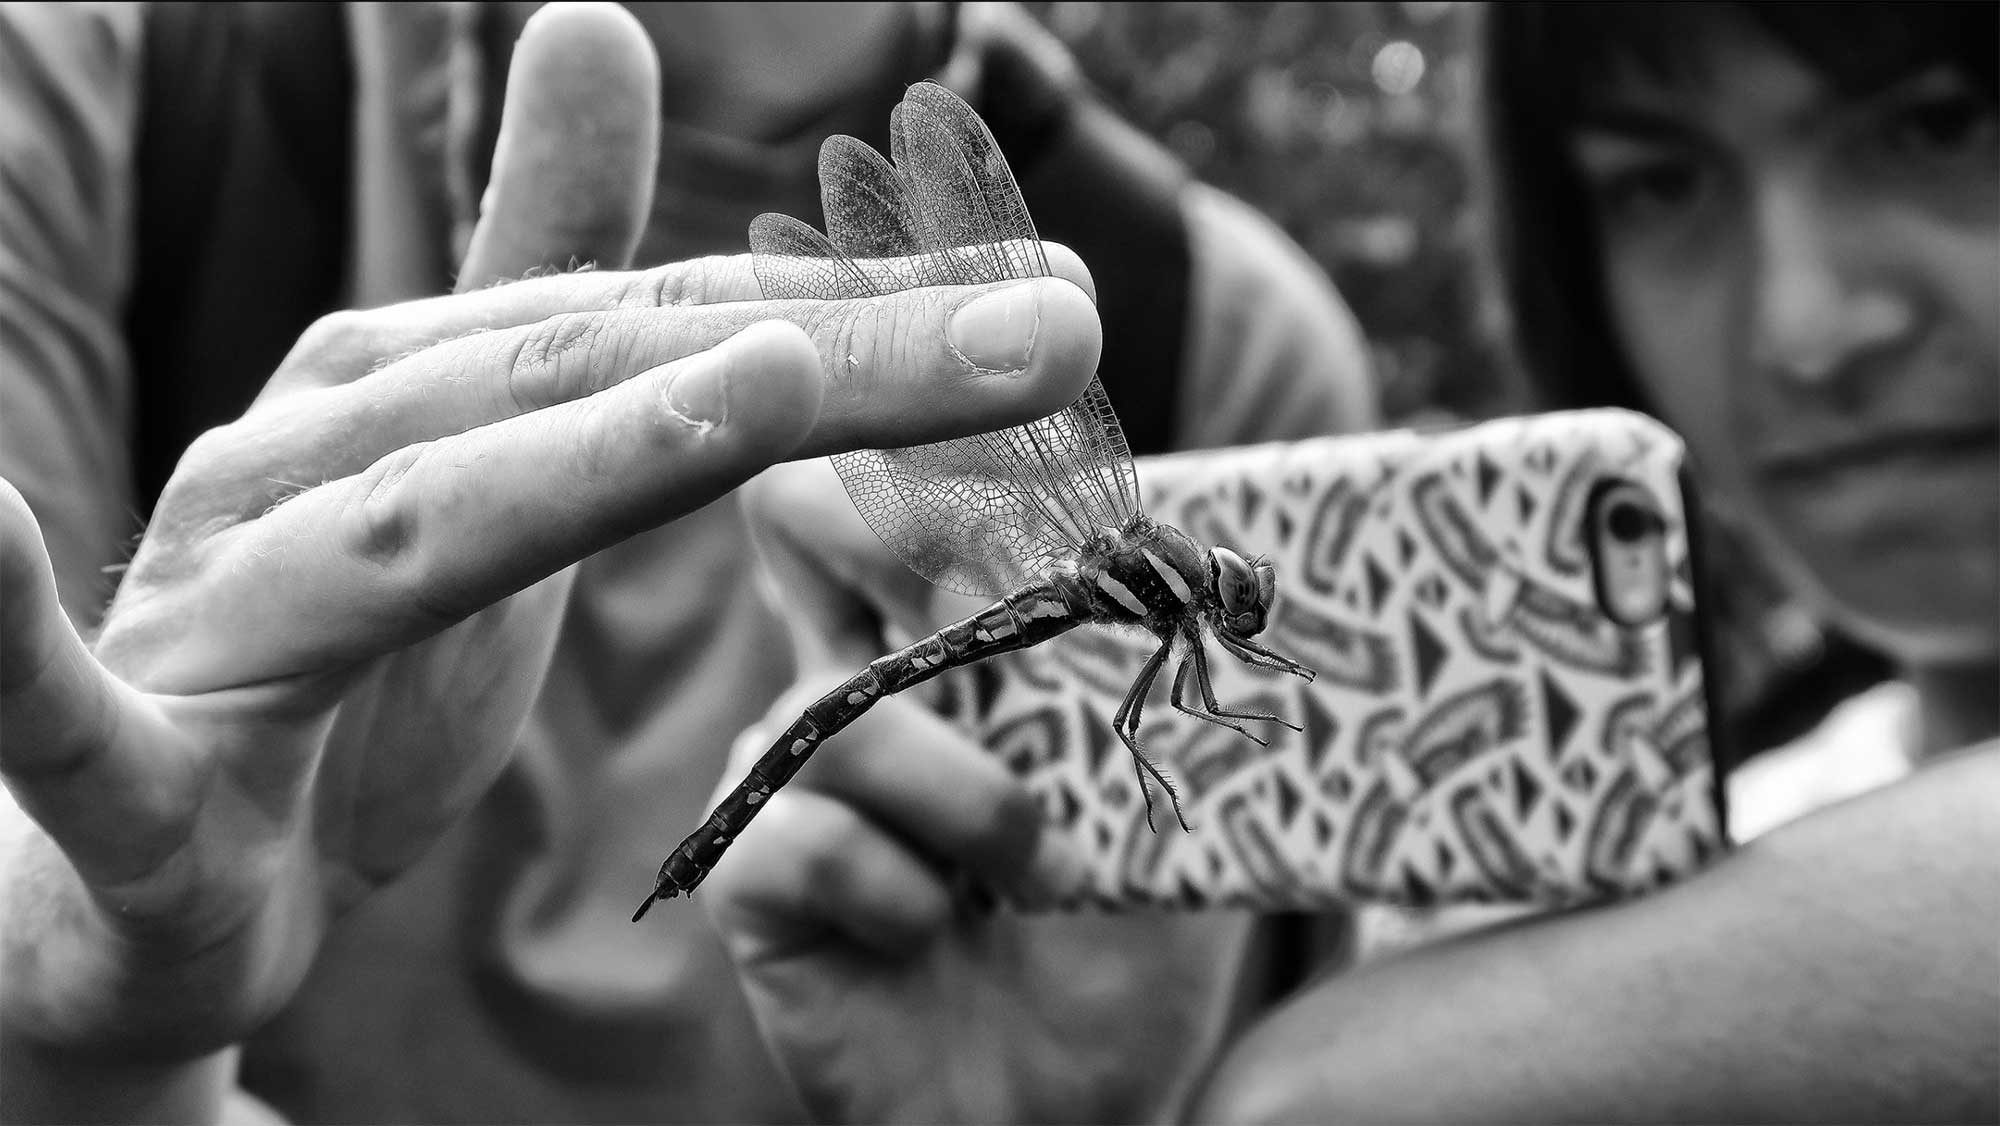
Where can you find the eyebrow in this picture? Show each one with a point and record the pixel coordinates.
(1636, 123)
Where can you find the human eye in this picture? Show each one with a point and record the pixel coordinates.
(1638, 188)
(1935, 124)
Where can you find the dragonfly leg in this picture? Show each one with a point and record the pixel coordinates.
(1128, 717)
(1251, 653)
(1126, 724)
(1207, 686)
(1213, 715)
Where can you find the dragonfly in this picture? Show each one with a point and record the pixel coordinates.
(1044, 517)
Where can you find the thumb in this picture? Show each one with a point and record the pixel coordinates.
(579, 140)
(79, 752)
(48, 679)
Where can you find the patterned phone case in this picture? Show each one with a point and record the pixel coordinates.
(1480, 730)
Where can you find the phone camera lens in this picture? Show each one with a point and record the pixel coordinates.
(1629, 523)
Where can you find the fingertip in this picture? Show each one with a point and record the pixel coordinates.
(781, 342)
(1069, 340)
(775, 386)
(55, 699)
(1068, 265)
(603, 32)
(26, 582)
(20, 535)
(756, 393)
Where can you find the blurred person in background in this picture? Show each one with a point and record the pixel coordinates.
(1778, 228)
(189, 190)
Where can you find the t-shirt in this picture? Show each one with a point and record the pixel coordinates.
(499, 979)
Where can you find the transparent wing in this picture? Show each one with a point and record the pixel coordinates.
(980, 515)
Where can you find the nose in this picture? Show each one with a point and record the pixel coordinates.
(1818, 303)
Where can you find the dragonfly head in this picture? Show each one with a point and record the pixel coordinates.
(1244, 588)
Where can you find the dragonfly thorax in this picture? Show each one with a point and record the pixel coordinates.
(1157, 575)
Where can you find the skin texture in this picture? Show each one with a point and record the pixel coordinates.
(1840, 968)
(230, 763)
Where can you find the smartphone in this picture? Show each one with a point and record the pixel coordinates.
(1509, 706)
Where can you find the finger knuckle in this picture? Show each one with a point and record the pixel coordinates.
(383, 530)
(220, 478)
(333, 340)
(870, 335)
(387, 532)
(209, 448)
(552, 361)
(692, 282)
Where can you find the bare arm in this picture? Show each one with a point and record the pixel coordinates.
(1844, 967)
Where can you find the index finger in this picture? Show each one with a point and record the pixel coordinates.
(345, 346)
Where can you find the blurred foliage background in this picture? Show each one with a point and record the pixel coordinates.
(1345, 123)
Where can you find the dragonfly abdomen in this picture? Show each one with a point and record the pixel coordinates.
(1018, 621)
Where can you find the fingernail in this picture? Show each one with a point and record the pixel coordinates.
(699, 393)
(996, 331)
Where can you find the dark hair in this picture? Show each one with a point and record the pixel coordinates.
(1542, 62)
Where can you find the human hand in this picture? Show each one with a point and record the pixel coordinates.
(884, 994)
(322, 650)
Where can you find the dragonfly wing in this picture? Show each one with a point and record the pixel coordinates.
(794, 260)
(988, 513)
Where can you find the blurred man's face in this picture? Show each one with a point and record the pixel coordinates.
(1809, 285)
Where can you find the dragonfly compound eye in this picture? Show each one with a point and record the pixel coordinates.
(1243, 590)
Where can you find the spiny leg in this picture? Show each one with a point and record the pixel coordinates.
(1251, 653)
(1126, 724)
(1207, 686)
(1135, 698)
(1211, 716)
(1144, 766)
(1133, 702)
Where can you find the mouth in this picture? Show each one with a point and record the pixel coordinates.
(1934, 444)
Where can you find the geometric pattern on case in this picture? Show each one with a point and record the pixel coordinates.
(1478, 730)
